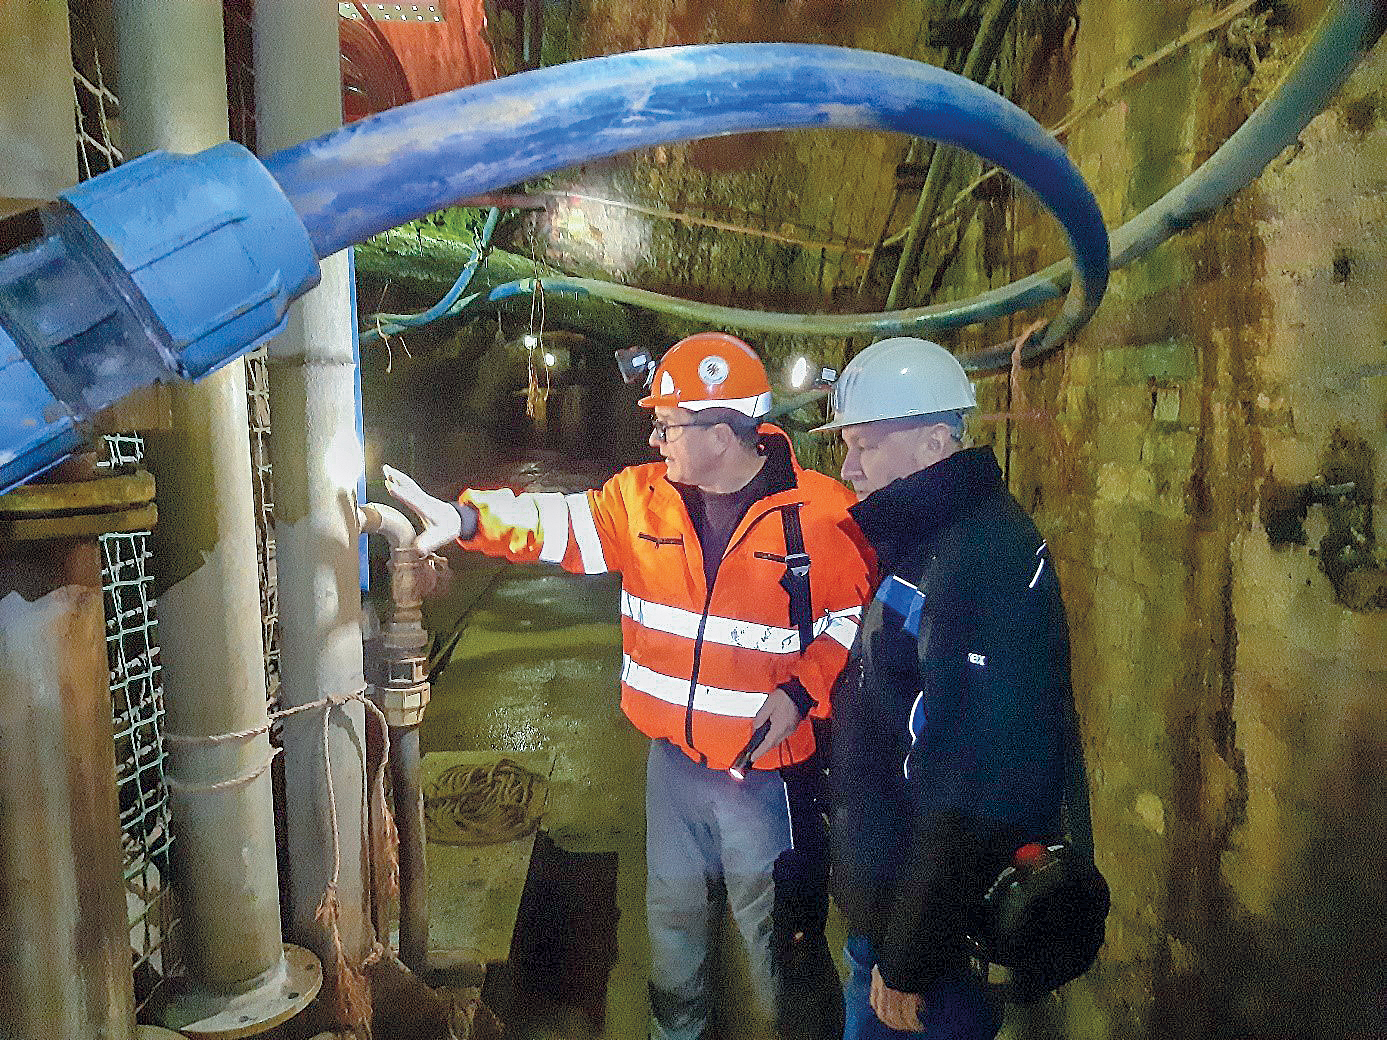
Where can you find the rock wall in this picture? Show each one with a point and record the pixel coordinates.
(1203, 459)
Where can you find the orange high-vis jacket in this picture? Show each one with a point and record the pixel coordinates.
(698, 663)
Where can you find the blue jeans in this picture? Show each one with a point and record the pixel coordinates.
(954, 1009)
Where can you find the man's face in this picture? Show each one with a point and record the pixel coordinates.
(880, 452)
(685, 448)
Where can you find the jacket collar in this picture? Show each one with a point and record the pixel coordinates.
(913, 509)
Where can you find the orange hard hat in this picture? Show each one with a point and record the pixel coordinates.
(710, 370)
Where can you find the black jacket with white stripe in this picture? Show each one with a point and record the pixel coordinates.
(948, 741)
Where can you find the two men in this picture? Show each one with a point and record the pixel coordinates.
(949, 738)
(742, 587)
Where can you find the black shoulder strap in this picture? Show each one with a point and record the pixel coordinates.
(795, 580)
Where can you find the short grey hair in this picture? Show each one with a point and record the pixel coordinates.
(955, 419)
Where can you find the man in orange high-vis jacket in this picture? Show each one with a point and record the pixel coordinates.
(743, 581)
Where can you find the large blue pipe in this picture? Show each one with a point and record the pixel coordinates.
(410, 161)
(1346, 33)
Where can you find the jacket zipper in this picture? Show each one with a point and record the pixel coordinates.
(702, 623)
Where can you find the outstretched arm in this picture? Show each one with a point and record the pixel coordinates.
(579, 531)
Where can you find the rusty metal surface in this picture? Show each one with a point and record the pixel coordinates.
(277, 996)
(78, 509)
(104, 495)
(78, 525)
(68, 972)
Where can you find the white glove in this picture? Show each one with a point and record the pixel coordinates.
(442, 521)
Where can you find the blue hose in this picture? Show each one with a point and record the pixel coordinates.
(1348, 31)
(448, 299)
(404, 163)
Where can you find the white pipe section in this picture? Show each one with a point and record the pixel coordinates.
(317, 460)
(388, 522)
(173, 96)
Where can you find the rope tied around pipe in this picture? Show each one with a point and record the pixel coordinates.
(352, 998)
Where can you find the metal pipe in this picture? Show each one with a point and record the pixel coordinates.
(409, 822)
(173, 96)
(409, 161)
(532, 33)
(386, 521)
(994, 25)
(398, 669)
(317, 460)
(65, 966)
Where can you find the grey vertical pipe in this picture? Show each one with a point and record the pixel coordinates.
(399, 670)
(65, 961)
(532, 33)
(409, 821)
(172, 83)
(317, 460)
(35, 101)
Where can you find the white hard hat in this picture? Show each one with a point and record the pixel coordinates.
(899, 377)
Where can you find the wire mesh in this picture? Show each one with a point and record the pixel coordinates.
(137, 714)
(137, 718)
(262, 478)
(97, 109)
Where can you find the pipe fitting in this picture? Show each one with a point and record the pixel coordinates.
(398, 669)
(386, 521)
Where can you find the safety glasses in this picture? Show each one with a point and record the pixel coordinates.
(661, 429)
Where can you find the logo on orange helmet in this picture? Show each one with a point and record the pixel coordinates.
(710, 370)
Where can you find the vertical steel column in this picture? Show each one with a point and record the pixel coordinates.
(172, 75)
(317, 460)
(65, 963)
(65, 968)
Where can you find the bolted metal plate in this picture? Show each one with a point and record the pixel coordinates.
(395, 12)
(286, 991)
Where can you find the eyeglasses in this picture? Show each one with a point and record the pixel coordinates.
(661, 429)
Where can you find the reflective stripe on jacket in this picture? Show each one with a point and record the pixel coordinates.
(697, 664)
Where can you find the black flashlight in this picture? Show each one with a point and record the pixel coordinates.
(743, 761)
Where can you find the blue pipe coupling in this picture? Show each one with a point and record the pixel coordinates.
(166, 267)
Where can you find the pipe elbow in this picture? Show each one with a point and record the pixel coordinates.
(387, 522)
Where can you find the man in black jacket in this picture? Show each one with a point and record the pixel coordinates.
(948, 746)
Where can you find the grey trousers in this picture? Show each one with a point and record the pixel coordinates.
(708, 834)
